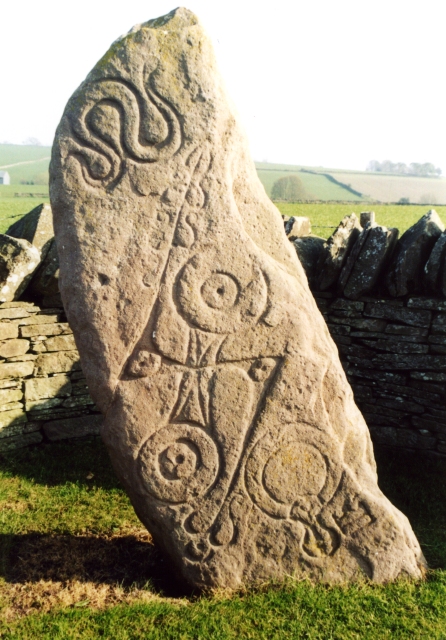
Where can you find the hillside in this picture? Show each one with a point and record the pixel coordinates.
(391, 188)
(25, 163)
(315, 182)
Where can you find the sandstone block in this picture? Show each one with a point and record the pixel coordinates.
(434, 269)
(366, 217)
(53, 329)
(8, 330)
(43, 404)
(72, 427)
(367, 260)
(19, 440)
(309, 250)
(10, 395)
(11, 419)
(297, 227)
(12, 313)
(415, 318)
(11, 405)
(336, 251)
(60, 343)
(39, 319)
(37, 388)
(56, 362)
(16, 369)
(432, 304)
(405, 274)
(18, 261)
(45, 282)
(14, 347)
(228, 415)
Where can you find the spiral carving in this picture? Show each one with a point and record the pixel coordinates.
(115, 121)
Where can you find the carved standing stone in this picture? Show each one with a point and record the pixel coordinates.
(228, 416)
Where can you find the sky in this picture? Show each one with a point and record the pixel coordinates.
(333, 83)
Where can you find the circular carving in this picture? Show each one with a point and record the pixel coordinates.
(178, 463)
(221, 294)
(295, 469)
(219, 291)
(300, 467)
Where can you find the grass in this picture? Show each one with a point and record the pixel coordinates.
(12, 208)
(76, 563)
(325, 217)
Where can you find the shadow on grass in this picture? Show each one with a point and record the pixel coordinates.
(120, 561)
(416, 484)
(58, 463)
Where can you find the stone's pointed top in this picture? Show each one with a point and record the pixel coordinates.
(179, 17)
(174, 20)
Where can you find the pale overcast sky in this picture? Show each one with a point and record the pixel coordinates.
(330, 82)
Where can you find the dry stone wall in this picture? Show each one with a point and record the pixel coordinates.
(394, 354)
(43, 392)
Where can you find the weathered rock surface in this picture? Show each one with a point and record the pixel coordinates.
(297, 227)
(405, 274)
(18, 261)
(336, 251)
(45, 281)
(367, 260)
(309, 250)
(435, 268)
(227, 413)
(36, 227)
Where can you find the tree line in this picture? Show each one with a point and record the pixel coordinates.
(426, 169)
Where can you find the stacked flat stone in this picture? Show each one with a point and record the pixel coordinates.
(43, 392)
(394, 355)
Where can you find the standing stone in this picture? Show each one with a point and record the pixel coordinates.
(367, 260)
(405, 273)
(45, 282)
(36, 227)
(228, 416)
(309, 249)
(18, 261)
(435, 268)
(336, 251)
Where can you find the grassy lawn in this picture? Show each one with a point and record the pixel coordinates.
(76, 563)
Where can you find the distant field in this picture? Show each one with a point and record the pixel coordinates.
(325, 217)
(387, 188)
(25, 162)
(318, 186)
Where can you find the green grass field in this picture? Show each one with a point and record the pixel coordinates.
(75, 563)
(325, 217)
